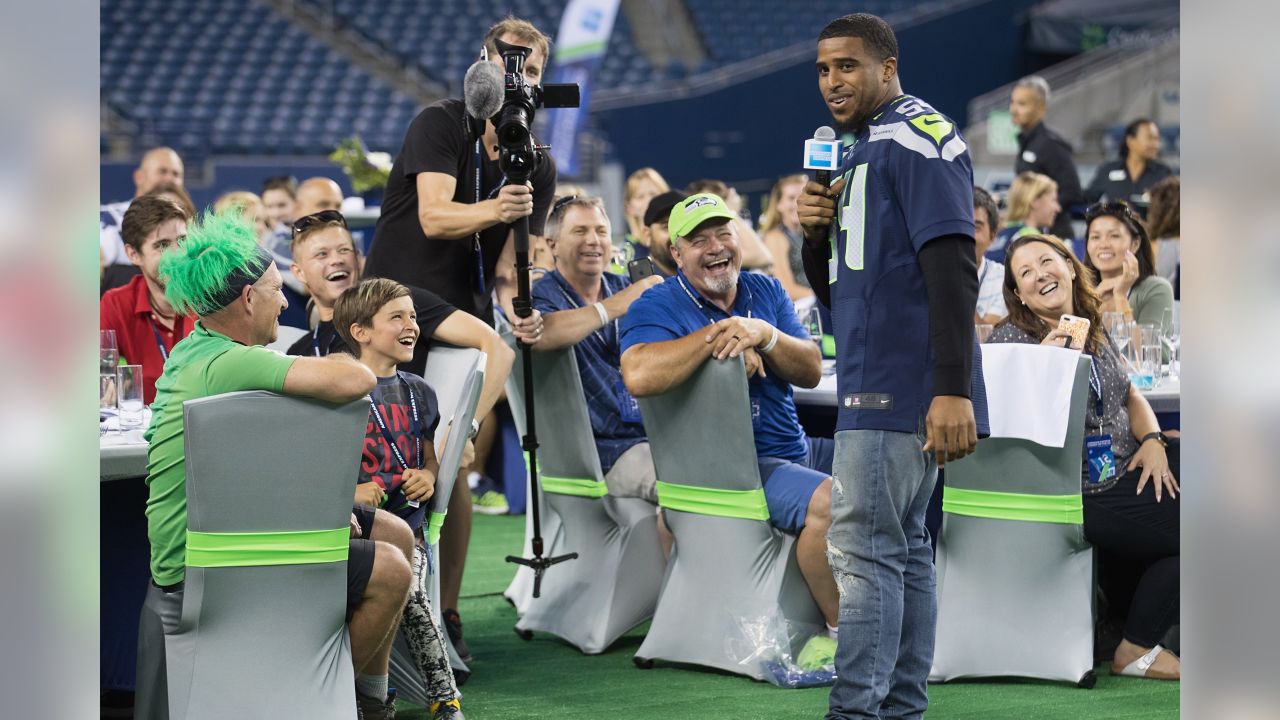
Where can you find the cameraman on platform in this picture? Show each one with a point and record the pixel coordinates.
(446, 226)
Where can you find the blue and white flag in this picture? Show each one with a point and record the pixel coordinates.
(584, 35)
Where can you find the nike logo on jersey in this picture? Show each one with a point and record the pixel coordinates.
(868, 401)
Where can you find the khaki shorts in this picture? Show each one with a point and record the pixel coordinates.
(633, 474)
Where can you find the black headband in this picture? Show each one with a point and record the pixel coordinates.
(240, 277)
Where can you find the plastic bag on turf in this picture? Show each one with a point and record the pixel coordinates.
(766, 643)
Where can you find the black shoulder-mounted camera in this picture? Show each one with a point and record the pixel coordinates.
(519, 157)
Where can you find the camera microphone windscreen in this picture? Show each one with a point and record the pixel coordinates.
(482, 89)
(822, 154)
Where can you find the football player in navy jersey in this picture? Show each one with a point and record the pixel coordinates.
(889, 248)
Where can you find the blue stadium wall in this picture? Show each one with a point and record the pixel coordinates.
(759, 126)
(756, 128)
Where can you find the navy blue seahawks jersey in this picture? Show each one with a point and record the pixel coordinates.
(908, 181)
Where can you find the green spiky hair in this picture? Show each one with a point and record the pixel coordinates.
(196, 273)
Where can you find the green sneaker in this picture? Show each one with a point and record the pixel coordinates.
(491, 502)
(818, 653)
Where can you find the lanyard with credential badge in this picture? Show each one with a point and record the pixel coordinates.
(164, 353)
(415, 429)
(604, 292)
(479, 255)
(703, 309)
(315, 342)
(1095, 382)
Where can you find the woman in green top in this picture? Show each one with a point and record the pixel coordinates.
(1123, 262)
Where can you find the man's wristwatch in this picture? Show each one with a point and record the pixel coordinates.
(1157, 436)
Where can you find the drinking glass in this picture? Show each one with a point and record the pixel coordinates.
(108, 355)
(108, 358)
(813, 321)
(106, 400)
(983, 331)
(129, 396)
(1144, 369)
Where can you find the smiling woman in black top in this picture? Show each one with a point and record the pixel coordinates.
(1044, 281)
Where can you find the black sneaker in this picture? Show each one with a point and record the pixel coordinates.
(368, 708)
(453, 626)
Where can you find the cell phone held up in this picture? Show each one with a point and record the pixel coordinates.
(1077, 328)
(640, 268)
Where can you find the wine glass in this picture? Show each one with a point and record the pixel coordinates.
(1120, 328)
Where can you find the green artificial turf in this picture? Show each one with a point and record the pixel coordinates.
(544, 678)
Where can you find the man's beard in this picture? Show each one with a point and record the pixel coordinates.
(722, 284)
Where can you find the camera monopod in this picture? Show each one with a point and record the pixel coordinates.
(523, 306)
(518, 157)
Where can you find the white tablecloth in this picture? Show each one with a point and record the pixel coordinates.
(122, 454)
(1165, 398)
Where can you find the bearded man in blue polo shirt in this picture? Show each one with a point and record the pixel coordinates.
(710, 309)
(889, 248)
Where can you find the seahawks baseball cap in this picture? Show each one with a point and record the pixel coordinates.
(660, 206)
(688, 214)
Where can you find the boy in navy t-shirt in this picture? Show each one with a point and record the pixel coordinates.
(398, 466)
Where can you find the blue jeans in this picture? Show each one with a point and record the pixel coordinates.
(880, 555)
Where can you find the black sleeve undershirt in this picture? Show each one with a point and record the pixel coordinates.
(815, 257)
(950, 270)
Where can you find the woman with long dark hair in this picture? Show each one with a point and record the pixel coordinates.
(1122, 262)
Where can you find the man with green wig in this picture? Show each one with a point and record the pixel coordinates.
(220, 274)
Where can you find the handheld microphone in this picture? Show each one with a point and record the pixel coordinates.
(482, 89)
(822, 154)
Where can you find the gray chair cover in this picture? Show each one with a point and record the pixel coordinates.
(520, 592)
(613, 584)
(255, 642)
(1015, 597)
(456, 375)
(728, 577)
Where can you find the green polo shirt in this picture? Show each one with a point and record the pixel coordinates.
(204, 363)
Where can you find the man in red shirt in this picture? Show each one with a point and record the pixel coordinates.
(146, 325)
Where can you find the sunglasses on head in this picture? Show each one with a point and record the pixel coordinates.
(561, 202)
(323, 217)
(1111, 207)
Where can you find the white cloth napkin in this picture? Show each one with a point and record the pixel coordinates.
(1029, 391)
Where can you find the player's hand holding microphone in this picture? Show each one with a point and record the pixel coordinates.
(817, 204)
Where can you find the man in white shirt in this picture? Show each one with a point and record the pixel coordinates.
(158, 165)
(986, 220)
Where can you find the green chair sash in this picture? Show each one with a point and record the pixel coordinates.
(295, 547)
(746, 504)
(435, 521)
(579, 487)
(1060, 509)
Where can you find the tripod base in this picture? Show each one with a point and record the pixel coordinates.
(539, 565)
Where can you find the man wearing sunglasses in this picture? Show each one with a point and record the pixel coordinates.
(314, 195)
(447, 217)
